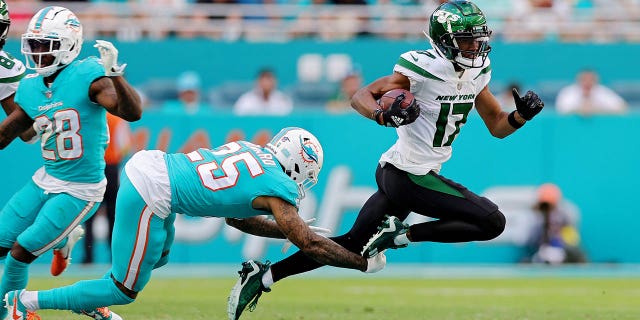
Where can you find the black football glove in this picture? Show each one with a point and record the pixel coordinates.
(529, 105)
(397, 116)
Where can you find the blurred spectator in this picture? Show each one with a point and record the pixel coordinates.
(117, 149)
(505, 98)
(188, 102)
(264, 98)
(587, 96)
(341, 102)
(556, 238)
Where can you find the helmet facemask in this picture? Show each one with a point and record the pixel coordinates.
(460, 45)
(52, 41)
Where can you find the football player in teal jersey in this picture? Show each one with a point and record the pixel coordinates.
(448, 81)
(65, 101)
(239, 181)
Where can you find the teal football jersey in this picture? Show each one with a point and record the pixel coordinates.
(223, 182)
(74, 129)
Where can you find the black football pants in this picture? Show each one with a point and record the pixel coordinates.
(461, 215)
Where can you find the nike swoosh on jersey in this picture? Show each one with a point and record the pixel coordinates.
(413, 57)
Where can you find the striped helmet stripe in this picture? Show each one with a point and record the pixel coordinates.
(38, 24)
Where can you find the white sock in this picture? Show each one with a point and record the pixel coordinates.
(30, 300)
(267, 279)
(401, 239)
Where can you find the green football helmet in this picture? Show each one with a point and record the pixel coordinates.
(5, 22)
(460, 22)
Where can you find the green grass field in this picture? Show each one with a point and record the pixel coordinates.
(377, 298)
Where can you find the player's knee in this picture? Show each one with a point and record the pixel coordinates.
(21, 254)
(121, 294)
(163, 260)
(495, 225)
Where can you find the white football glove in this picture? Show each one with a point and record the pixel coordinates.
(321, 231)
(376, 263)
(109, 57)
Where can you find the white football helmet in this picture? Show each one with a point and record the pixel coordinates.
(52, 41)
(300, 155)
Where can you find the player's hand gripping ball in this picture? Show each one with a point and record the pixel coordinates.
(398, 107)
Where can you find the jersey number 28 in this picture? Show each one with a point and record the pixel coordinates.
(65, 125)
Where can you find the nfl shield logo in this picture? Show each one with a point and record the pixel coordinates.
(48, 94)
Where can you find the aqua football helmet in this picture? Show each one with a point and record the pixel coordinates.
(300, 155)
(454, 23)
(52, 41)
(5, 22)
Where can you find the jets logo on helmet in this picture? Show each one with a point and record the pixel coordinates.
(52, 41)
(444, 16)
(300, 154)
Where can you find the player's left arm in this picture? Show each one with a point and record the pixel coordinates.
(501, 123)
(117, 96)
(16, 123)
(258, 226)
(113, 91)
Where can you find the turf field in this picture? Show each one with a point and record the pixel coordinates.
(389, 298)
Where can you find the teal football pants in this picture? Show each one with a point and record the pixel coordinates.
(139, 238)
(38, 221)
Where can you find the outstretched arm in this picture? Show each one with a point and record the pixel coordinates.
(501, 123)
(313, 245)
(257, 226)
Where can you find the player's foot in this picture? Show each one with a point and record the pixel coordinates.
(391, 228)
(247, 289)
(16, 309)
(62, 256)
(101, 314)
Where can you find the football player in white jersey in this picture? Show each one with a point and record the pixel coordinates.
(447, 81)
(11, 71)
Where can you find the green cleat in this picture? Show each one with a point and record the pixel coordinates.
(247, 289)
(100, 314)
(391, 228)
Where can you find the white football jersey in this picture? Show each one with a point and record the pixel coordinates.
(11, 71)
(445, 100)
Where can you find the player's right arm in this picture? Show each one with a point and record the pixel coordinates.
(9, 105)
(365, 99)
(16, 123)
(258, 226)
(313, 245)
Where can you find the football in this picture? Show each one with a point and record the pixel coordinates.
(390, 97)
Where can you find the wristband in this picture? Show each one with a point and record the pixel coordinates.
(376, 115)
(512, 120)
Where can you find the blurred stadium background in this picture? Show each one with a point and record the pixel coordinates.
(311, 45)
